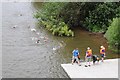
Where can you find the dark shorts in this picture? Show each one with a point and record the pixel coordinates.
(88, 59)
(75, 58)
(102, 55)
(95, 58)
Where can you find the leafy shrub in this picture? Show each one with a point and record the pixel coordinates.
(94, 16)
(74, 12)
(49, 17)
(99, 19)
(113, 34)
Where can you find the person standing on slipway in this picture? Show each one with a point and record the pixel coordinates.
(88, 57)
(75, 56)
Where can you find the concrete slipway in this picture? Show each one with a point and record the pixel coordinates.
(106, 69)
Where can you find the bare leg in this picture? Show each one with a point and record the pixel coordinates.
(86, 61)
(78, 62)
(72, 62)
(102, 59)
(89, 63)
(73, 58)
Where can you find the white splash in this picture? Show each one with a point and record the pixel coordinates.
(34, 30)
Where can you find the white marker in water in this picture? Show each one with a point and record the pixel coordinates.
(15, 26)
(33, 38)
(54, 49)
(41, 37)
(20, 15)
(34, 30)
(37, 33)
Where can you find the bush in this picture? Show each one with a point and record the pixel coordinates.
(94, 16)
(49, 17)
(113, 34)
(99, 19)
(74, 12)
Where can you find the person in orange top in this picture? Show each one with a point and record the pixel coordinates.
(102, 52)
(88, 56)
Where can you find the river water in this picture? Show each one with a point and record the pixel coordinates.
(22, 57)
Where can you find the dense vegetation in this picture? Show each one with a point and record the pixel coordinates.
(113, 35)
(100, 18)
(50, 19)
(61, 17)
(94, 16)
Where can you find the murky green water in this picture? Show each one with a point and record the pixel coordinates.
(22, 57)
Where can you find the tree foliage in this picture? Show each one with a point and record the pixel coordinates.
(94, 16)
(100, 18)
(60, 17)
(74, 13)
(49, 17)
(113, 33)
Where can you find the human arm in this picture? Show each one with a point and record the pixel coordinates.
(73, 51)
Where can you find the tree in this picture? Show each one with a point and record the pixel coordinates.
(49, 17)
(100, 18)
(113, 34)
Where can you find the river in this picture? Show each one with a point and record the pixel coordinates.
(22, 57)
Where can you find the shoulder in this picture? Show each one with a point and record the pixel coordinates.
(77, 51)
(73, 51)
(90, 49)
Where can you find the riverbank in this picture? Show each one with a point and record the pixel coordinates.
(108, 69)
